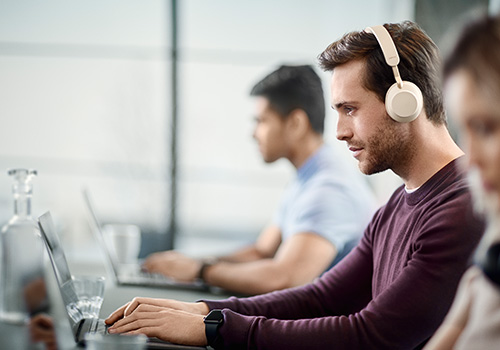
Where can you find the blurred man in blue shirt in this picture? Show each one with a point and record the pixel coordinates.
(323, 212)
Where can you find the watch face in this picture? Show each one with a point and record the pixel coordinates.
(212, 322)
(215, 316)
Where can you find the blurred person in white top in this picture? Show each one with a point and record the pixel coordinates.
(472, 92)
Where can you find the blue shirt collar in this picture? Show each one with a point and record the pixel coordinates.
(312, 164)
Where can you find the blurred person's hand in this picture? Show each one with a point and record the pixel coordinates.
(35, 295)
(42, 330)
(174, 265)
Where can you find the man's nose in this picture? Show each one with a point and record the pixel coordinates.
(254, 133)
(344, 130)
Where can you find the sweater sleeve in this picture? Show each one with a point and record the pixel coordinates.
(300, 317)
(329, 314)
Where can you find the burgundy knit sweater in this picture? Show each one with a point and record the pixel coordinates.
(391, 292)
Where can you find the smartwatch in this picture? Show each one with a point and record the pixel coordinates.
(212, 322)
(205, 264)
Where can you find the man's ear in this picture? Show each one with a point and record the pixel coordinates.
(298, 123)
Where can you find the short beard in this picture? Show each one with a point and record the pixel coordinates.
(390, 148)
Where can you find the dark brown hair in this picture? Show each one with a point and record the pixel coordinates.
(292, 87)
(477, 51)
(419, 63)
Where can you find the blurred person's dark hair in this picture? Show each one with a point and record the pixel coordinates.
(294, 87)
(477, 51)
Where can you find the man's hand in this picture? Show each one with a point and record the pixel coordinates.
(167, 324)
(173, 264)
(127, 309)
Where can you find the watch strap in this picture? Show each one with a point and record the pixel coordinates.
(212, 323)
(205, 264)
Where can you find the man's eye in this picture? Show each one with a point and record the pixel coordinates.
(348, 110)
(482, 128)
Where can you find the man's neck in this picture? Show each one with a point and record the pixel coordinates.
(435, 149)
(305, 149)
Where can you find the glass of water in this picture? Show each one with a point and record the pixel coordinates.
(89, 291)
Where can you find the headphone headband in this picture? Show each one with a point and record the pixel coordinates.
(388, 49)
(386, 44)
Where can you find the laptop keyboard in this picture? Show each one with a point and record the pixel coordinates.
(143, 278)
(153, 276)
(100, 327)
(146, 278)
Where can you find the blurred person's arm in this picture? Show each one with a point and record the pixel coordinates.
(266, 247)
(297, 261)
(264, 267)
(183, 268)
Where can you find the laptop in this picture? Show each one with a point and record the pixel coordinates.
(79, 323)
(131, 275)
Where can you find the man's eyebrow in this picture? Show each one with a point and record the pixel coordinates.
(340, 104)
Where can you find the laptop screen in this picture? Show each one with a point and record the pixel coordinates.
(111, 265)
(54, 248)
(61, 268)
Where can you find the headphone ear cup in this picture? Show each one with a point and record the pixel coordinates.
(404, 104)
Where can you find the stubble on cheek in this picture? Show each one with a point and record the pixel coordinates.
(388, 148)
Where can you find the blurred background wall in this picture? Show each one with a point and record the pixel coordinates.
(145, 103)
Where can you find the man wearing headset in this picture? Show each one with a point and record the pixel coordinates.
(394, 289)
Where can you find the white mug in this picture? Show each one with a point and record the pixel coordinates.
(124, 241)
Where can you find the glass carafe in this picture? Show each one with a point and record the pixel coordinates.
(22, 283)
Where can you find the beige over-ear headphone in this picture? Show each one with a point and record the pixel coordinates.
(403, 100)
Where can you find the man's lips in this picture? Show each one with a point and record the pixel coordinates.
(488, 186)
(356, 151)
